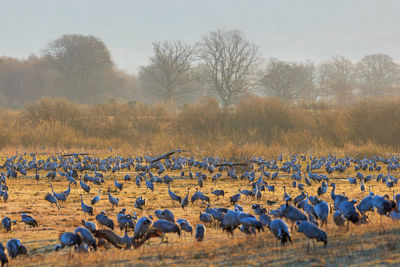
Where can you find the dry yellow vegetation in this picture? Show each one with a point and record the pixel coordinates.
(362, 244)
(261, 126)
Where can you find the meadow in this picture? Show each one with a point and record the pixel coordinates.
(361, 244)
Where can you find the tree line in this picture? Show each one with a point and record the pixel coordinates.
(222, 64)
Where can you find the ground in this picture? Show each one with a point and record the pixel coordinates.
(361, 244)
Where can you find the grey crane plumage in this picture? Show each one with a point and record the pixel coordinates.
(265, 219)
(15, 248)
(307, 207)
(235, 198)
(280, 230)
(5, 194)
(140, 202)
(311, 231)
(138, 180)
(349, 211)
(174, 196)
(217, 214)
(234, 218)
(85, 208)
(366, 204)
(86, 237)
(322, 211)
(276, 213)
(3, 255)
(312, 219)
(362, 186)
(71, 180)
(199, 196)
(68, 191)
(200, 181)
(299, 198)
(125, 221)
(200, 232)
(185, 200)
(119, 186)
(249, 221)
(50, 198)
(238, 208)
(247, 229)
(149, 185)
(214, 178)
(383, 206)
(291, 213)
(167, 226)
(395, 197)
(230, 221)
(286, 196)
(206, 217)
(165, 214)
(126, 239)
(246, 192)
(37, 176)
(142, 227)
(271, 188)
(300, 186)
(68, 239)
(395, 215)
(104, 220)
(96, 199)
(322, 189)
(51, 175)
(84, 186)
(28, 220)
(352, 180)
(218, 192)
(337, 199)
(92, 227)
(7, 223)
(203, 197)
(313, 200)
(113, 200)
(338, 218)
(185, 225)
(60, 197)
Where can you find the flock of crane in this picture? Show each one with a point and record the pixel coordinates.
(306, 212)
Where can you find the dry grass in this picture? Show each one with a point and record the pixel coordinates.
(254, 126)
(362, 244)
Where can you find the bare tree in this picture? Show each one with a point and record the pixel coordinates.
(337, 78)
(288, 80)
(169, 71)
(229, 60)
(378, 74)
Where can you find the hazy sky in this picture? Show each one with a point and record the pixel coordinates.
(292, 30)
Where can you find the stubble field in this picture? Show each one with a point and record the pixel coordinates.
(361, 244)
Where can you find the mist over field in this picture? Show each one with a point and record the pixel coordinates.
(91, 52)
(199, 133)
(332, 67)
